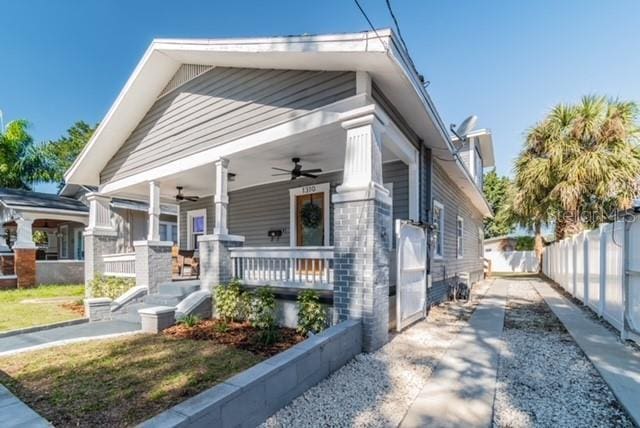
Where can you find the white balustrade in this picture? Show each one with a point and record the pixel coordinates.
(123, 264)
(296, 267)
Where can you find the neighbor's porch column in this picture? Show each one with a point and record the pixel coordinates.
(153, 233)
(362, 211)
(25, 254)
(221, 198)
(100, 237)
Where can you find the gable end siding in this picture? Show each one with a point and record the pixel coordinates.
(221, 105)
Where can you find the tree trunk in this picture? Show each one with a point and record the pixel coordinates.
(538, 245)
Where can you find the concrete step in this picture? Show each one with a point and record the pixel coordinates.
(181, 288)
(130, 313)
(162, 299)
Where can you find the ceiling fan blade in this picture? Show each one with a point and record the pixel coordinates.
(280, 169)
(284, 173)
(192, 198)
(311, 170)
(308, 175)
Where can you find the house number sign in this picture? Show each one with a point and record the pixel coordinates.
(308, 189)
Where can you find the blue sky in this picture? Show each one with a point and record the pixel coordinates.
(508, 62)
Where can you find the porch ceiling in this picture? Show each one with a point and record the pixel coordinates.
(321, 149)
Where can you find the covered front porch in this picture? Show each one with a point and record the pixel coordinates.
(261, 222)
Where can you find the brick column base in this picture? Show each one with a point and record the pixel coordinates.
(215, 260)
(361, 265)
(25, 267)
(96, 244)
(153, 263)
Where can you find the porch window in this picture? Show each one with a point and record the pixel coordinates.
(169, 232)
(459, 236)
(196, 225)
(438, 229)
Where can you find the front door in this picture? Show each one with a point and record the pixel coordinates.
(310, 220)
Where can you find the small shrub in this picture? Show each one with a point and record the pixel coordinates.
(190, 320)
(221, 327)
(110, 286)
(230, 301)
(311, 315)
(263, 315)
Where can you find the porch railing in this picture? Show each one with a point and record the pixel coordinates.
(298, 267)
(123, 265)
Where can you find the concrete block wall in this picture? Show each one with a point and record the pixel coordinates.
(95, 246)
(216, 266)
(250, 397)
(153, 264)
(59, 272)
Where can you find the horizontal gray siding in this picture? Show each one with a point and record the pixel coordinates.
(221, 105)
(132, 226)
(456, 203)
(254, 211)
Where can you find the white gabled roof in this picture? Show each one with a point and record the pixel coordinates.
(377, 53)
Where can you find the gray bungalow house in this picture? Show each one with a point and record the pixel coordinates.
(297, 162)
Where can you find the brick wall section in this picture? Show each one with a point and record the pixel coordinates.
(25, 267)
(455, 203)
(153, 264)
(8, 283)
(95, 245)
(216, 266)
(361, 267)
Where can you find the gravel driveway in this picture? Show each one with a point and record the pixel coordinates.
(544, 379)
(376, 390)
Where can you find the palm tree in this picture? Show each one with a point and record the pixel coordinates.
(22, 163)
(581, 159)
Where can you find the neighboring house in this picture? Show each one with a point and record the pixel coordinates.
(215, 117)
(505, 257)
(58, 248)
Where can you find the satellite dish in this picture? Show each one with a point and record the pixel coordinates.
(467, 125)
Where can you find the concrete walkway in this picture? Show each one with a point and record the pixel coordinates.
(14, 413)
(618, 364)
(69, 334)
(460, 392)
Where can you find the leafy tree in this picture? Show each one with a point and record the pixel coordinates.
(495, 190)
(22, 162)
(63, 151)
(581, 159)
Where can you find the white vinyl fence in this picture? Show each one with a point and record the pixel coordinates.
(601, 268)
(513, 261)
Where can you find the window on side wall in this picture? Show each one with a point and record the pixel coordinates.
(460, 237)
(438, 229)
(169, 232)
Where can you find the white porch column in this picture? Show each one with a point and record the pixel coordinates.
(221, 198)
(24, 234)
(363, 158)
(154, 211)
(100, 237)
(99, 212)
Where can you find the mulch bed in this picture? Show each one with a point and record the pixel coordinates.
(75, 307)
(238, 335)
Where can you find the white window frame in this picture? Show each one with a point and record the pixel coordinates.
(78, 244)
(460, 237)
(169, 225)
(190, 216)
(64, 239)
(438, 252)
(311, 188)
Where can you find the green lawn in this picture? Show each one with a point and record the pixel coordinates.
(38, 306)
(118, 382)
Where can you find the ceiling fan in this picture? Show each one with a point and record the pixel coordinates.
(180, 197)
(297, 170)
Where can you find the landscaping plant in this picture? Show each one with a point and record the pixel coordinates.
(263, 315)
(230, 301)
(110, 286)
(190, 320)
(312, 317)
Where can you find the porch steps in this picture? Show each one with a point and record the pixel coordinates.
(169, 294)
